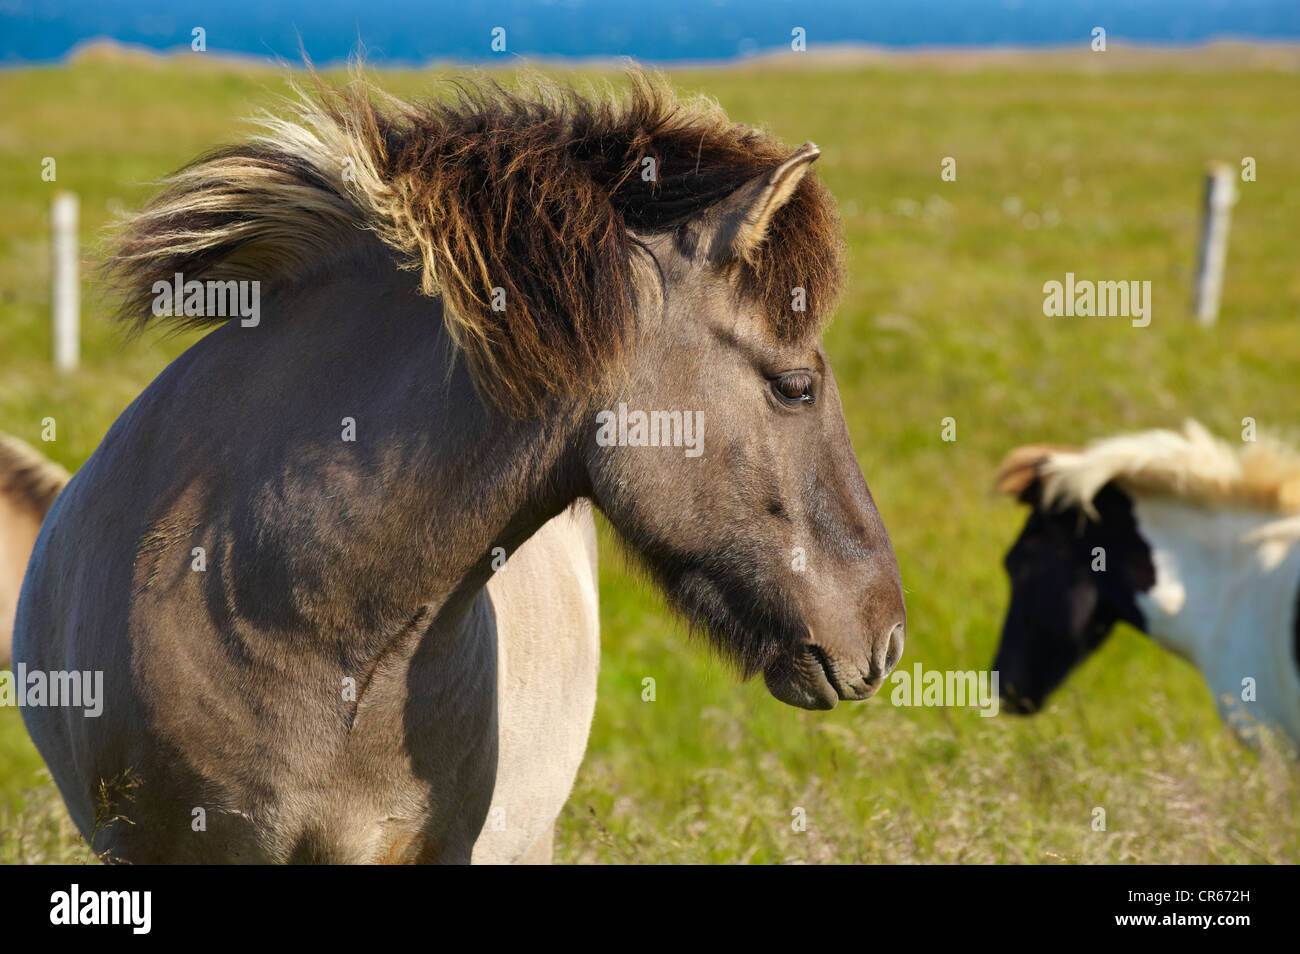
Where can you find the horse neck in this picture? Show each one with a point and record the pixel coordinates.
(442, 477)
(1225, 589)
(488, 484)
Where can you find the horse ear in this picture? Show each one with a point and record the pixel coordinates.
(741, 219)
(1019, 474)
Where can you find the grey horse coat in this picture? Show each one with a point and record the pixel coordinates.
(301, 693)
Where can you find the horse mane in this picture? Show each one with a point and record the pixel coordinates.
(28, 478)
(1190, 464)
(537, 192)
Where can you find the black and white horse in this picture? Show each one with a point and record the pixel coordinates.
(1175, 533)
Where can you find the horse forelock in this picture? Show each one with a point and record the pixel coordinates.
(520, 209)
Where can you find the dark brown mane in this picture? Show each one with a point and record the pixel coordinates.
(532, 192)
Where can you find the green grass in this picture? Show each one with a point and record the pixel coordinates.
(943, 318)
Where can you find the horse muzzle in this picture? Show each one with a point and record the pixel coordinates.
(817, 677)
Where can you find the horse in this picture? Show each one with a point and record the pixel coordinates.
(29, 482)
(283, 554)
(551, 586)
(1175, 533)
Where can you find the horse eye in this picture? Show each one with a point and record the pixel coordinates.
(794, 388)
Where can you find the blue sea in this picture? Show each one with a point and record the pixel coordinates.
(404, 31)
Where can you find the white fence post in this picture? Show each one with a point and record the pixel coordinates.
(66, 292)
(1220, 194)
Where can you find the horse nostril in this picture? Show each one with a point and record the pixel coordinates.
(895, 652)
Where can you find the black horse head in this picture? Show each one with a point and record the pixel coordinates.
(1075, 571)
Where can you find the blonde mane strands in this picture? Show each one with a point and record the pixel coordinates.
(1191, 464)
(27, 478)
(534, 192)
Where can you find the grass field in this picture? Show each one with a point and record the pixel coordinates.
(1097, 171)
